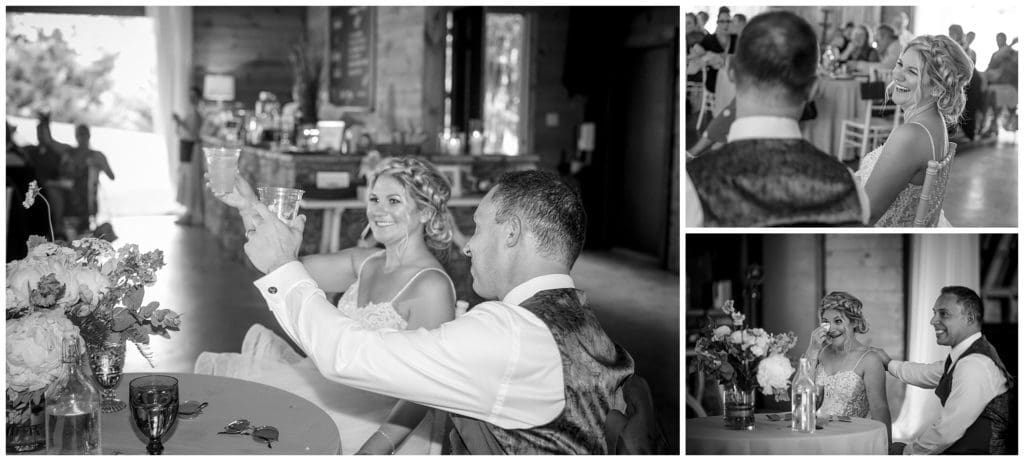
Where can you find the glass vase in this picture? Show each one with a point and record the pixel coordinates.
(739, 408)
(106, 360)
(29, 434)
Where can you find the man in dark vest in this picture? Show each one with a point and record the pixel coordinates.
(976, 391)
(767, 174)
(530, 373)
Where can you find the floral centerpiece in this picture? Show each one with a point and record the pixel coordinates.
(84, 288)
(743, 360)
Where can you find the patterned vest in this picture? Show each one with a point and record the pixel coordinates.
(992, 432)
(774, 182)
(593, 371)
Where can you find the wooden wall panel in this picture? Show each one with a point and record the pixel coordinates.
(250, 43)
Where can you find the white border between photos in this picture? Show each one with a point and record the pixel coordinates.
(684, 230)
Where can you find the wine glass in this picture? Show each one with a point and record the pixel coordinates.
(107, 362)
(154, 406)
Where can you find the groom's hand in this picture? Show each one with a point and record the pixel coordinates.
(273, 243)
(896, 448)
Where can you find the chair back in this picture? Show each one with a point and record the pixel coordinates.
(934, 189)
(635, 432)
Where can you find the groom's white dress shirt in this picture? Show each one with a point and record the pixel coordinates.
(976, 381)
(498, 363)
(767, 127)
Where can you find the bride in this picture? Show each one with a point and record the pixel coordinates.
(851, 374)
(400, 287)
(928, 84)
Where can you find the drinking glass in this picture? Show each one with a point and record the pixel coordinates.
(106, 360)
(222, 164)
(154, 406)
(282, 201)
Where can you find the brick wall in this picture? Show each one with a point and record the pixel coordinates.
(872, 268)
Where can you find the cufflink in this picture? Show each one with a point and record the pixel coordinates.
(272, 290)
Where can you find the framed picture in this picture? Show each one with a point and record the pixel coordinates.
(453, 173)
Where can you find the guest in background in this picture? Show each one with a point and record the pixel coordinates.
(739, 21)
(901, 23)
(975, 89)
(82, 166)
(888, 47)
(1002, 85)
(968, 41)
(767, 174)
(848, 31)
(21, 222)
(723, 28)
(191, 164)
(702, 21)
(46, 162)
(859, 48)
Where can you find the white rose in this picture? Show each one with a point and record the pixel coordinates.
(773, 373)
(757, 350)
(23, 276)
(736, 337)
(88, 277)
(34, 348)
(49, 250)
(722, 332)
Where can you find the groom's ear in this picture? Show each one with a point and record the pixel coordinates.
(513, 231)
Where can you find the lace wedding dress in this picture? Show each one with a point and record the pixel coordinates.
(845, 393)
(268, 359)
(903, 209)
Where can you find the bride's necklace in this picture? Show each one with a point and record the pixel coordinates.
(915, 112)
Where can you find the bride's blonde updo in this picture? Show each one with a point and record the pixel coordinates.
(429, 189)
(848, 305)
(948, 69)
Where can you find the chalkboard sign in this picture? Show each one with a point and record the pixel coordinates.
(353, 38)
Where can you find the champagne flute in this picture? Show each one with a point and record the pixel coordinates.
(154, 406)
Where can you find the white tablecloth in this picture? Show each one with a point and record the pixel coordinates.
(837, 100)
(708, 436)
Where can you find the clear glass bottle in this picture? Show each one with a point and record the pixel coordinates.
(804, 398)
(73, 409)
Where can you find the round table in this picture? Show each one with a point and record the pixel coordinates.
(304, 428)
(837, 100)
(708, 436)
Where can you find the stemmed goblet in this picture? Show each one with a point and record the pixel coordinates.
(106, 361)
(154, 406)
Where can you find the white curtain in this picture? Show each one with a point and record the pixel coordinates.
(936, 261)
(173, 28)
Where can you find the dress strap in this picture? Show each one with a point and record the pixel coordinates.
(861, 358)
(359, 272)
(931, 142)
(414, 277)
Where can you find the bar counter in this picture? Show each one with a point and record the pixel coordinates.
(331, 182)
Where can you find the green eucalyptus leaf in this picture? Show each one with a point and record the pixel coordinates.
(148, 309)
(133, 299)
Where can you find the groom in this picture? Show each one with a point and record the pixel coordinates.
(532, 373)
(767, 174)
(972, 384)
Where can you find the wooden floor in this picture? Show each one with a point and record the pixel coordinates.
(637, 304)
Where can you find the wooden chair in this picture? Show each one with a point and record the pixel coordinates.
(934, 189)
(707, 100)
(870, 131)
(635, 432)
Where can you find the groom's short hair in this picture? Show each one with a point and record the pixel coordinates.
(778, 51)
(968, 300)
(549, 208)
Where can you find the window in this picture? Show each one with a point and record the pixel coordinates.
(486, 70)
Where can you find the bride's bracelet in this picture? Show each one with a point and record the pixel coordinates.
(388, 438)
